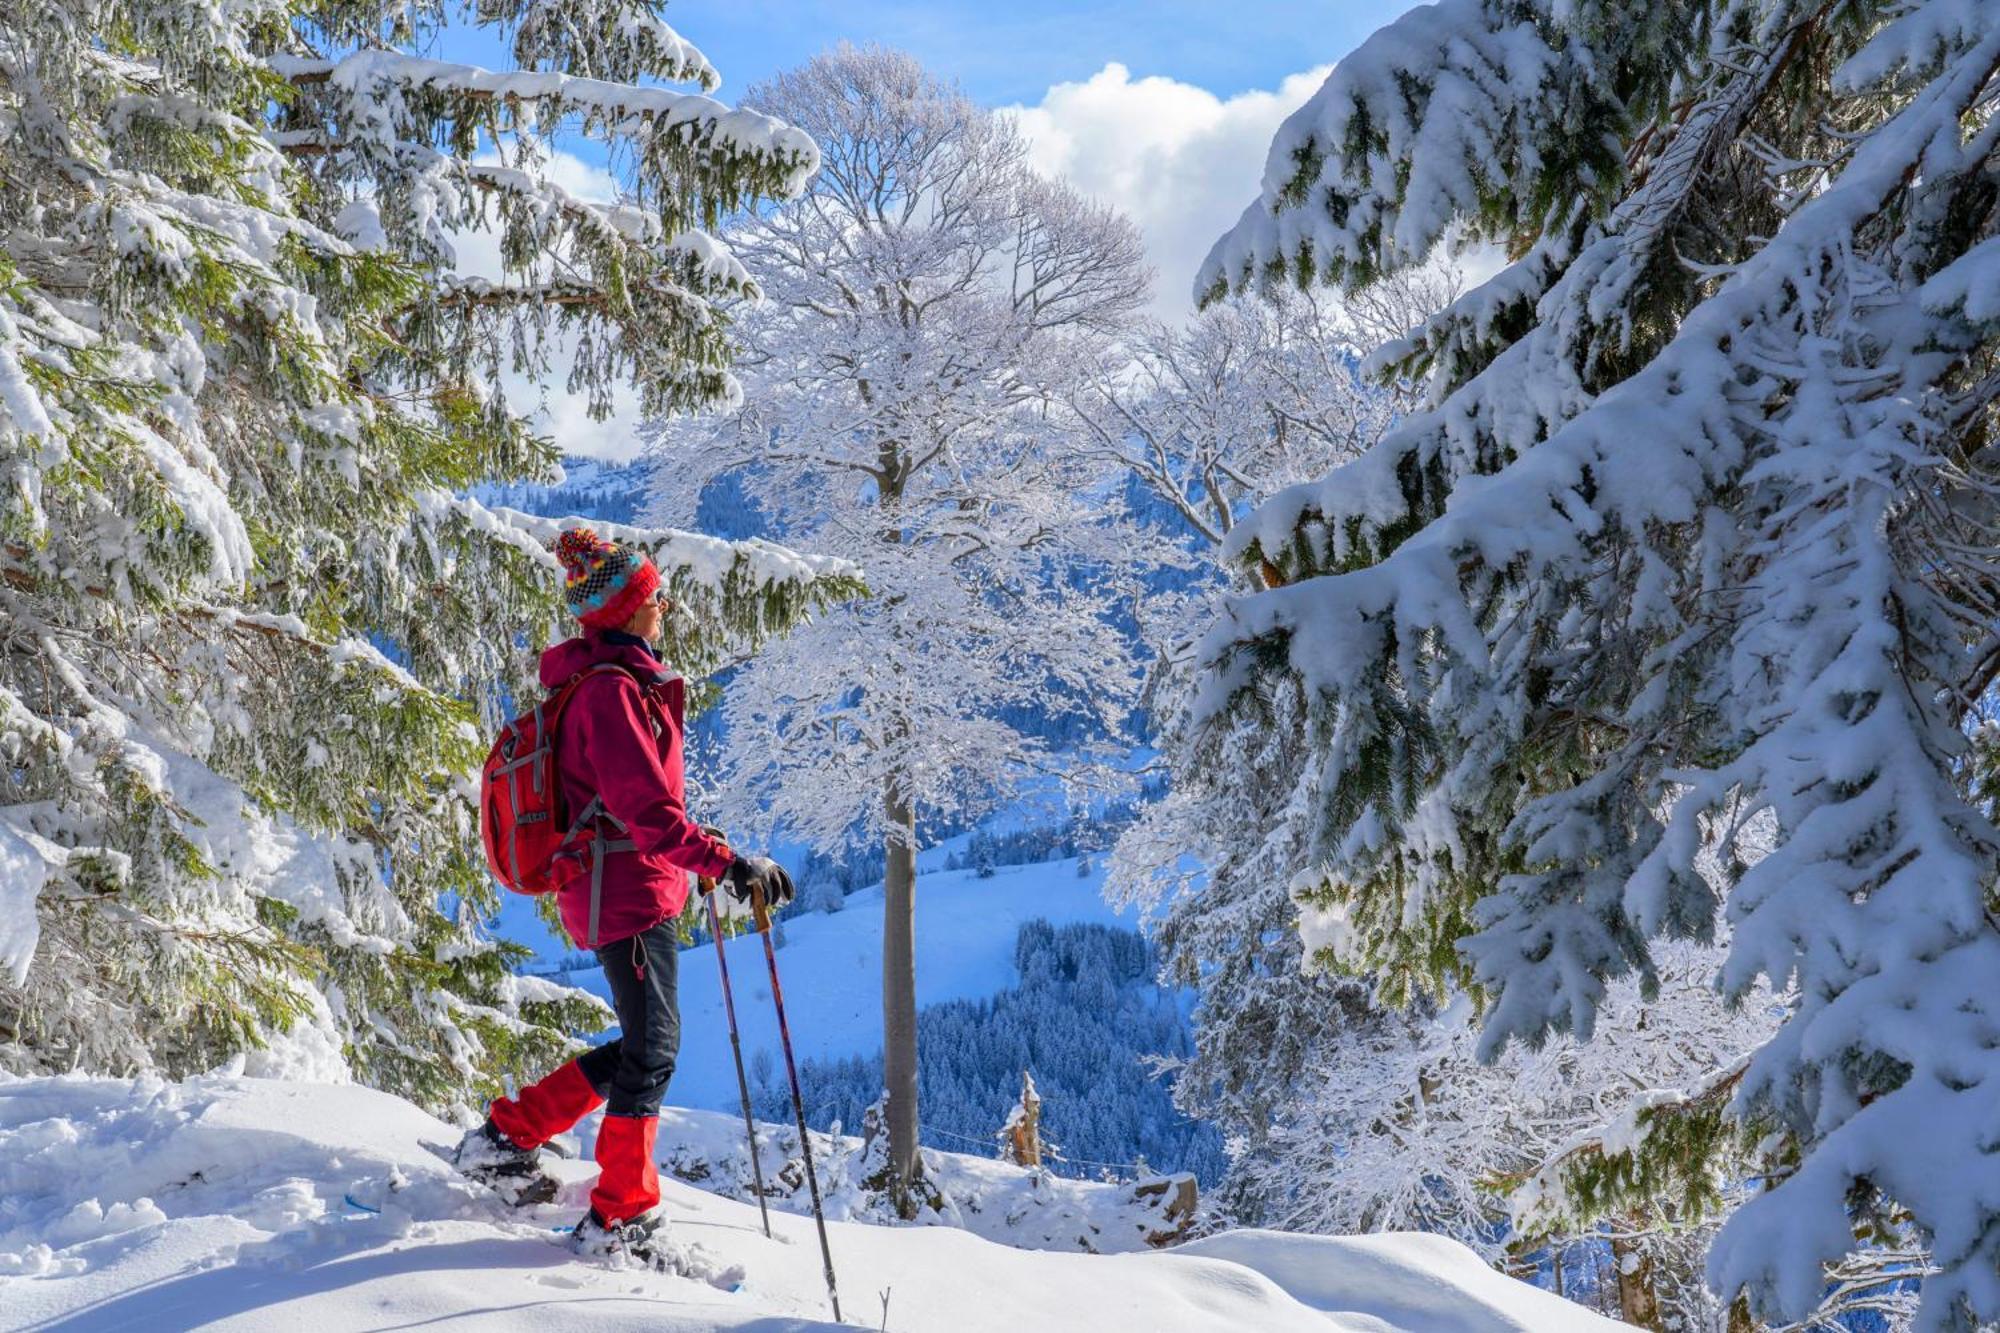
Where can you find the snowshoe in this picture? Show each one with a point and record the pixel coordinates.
(646, 1241)
(516, 1174)
(635, 1238)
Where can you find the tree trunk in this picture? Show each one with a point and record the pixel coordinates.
(899, 997)
(1638, 1300)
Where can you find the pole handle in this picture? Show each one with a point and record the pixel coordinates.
(760, 909)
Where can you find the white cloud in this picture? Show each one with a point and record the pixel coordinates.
(1181, 162)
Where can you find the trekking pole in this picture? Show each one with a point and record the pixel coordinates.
(762, 912)
(707, 886)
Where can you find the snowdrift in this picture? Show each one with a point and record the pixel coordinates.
(244, 1203)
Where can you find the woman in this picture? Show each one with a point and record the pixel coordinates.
(623, 872)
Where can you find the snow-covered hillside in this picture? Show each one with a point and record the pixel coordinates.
(244, 1203)
(591, 487)
(831, 967)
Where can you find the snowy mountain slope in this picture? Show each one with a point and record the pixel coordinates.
(831, 968)
(590, 487)
(225, 1203)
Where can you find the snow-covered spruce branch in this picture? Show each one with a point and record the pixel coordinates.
(1667, 554)
(626, 41)
(1664, 1144)
(690, 560)
(382, 96)
(399, 139)
(475, 293)
(249, 639)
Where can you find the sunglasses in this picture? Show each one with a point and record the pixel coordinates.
(661, 600)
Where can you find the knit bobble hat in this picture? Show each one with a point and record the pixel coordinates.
(603, 583)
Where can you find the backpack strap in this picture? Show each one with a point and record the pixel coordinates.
(548, 713)
(549, 716)
(599, 849)
(559, 700)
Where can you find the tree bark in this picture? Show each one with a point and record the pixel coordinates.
(1638, 1300)
(899, 996)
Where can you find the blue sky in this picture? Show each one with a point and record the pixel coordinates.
(1163, 108)
(1009, 51)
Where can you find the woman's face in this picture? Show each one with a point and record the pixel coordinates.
(649, 618)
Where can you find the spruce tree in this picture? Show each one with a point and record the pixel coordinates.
(1694, 536)
(252, 636)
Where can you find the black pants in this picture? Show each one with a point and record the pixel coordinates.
(631, 1072)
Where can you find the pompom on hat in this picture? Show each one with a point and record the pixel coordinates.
(604, 584)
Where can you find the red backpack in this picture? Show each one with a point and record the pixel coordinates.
(521, 817)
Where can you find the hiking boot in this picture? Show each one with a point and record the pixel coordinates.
(639, 1239)
(646, 1241)
(516, 1174)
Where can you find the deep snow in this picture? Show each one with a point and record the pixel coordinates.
(222, 1203)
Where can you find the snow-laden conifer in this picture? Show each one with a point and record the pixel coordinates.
(1696, 530)
(251, 640)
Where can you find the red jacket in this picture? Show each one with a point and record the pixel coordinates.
(624, 869)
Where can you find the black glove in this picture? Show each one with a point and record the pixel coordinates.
(761, 872)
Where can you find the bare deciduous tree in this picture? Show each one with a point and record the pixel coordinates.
(930, 305)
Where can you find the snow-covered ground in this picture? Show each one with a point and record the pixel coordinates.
(242, 1203)
(1030, 1210)
(831, 969)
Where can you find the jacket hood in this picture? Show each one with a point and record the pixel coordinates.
(572, 656)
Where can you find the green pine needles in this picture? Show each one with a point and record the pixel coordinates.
(1690, 555)
(253, 639)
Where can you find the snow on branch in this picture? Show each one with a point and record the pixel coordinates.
(1694, 544)
(483, 293)
(1662, 1144)
(751, 588)
(710, 562)
(544, 196)
(375, 84)
(610, 39)
(1450, 92)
